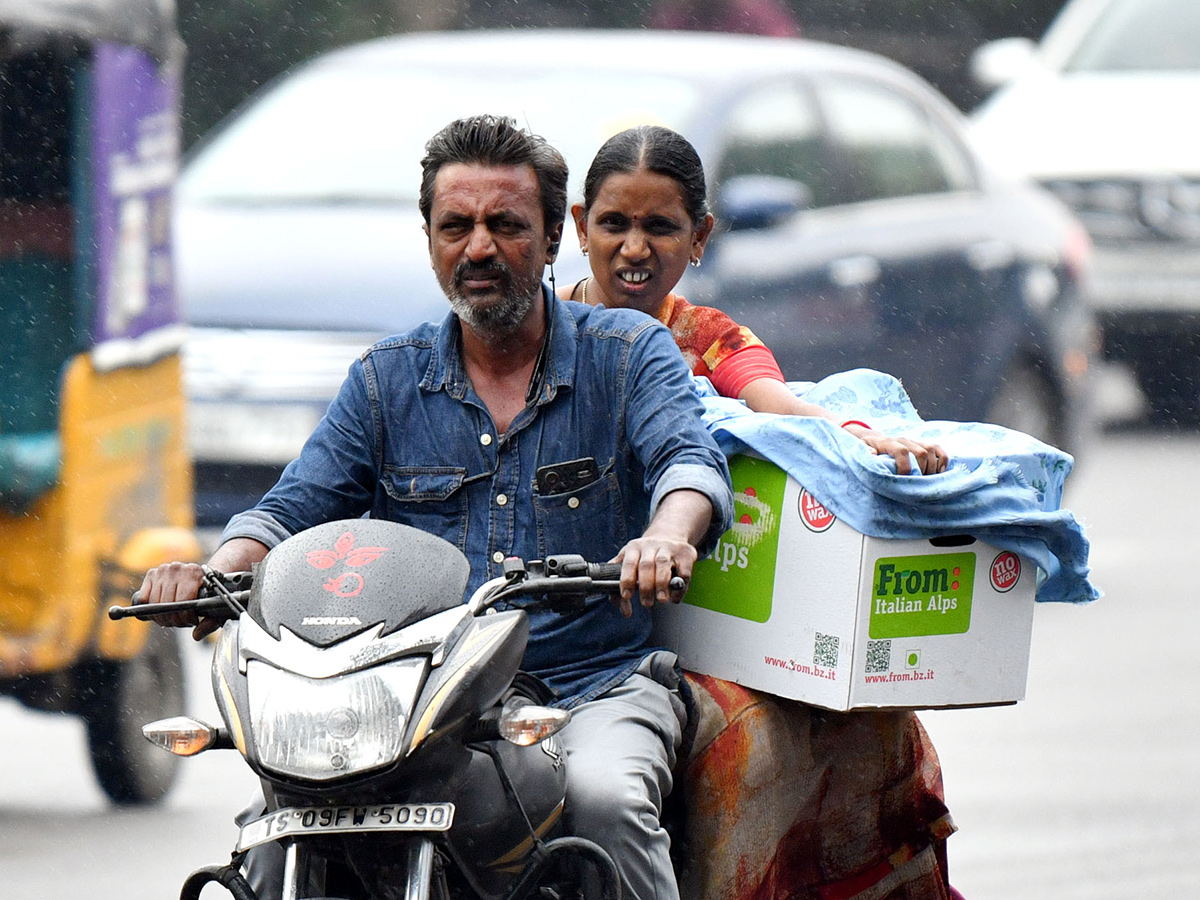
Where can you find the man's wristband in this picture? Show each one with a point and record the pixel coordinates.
(855, 422)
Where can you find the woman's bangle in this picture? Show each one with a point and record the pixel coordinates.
(855, 422)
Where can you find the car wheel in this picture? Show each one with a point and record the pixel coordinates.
(124, 696)
(1026, 403)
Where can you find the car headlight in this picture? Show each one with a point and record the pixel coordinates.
(320, 729)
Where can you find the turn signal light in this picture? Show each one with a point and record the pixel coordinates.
(181, 735)
(526, 725)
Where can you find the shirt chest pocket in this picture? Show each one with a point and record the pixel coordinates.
(589, 520)
(429, 498)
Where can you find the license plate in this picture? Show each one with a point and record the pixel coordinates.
(301, 822)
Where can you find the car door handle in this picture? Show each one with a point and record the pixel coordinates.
(854, 271)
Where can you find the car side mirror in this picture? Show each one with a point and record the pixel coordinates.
(998, 63)
(760, 201)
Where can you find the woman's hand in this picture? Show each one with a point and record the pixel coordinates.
(931, 458)
(769, 395)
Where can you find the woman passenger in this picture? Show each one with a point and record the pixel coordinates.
(784, 799)
(643, 219)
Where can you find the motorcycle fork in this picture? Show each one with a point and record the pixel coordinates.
(301, 869)
(420, 869)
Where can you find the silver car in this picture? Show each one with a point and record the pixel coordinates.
(1103, 112)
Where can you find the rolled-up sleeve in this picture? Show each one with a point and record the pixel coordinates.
(256, 524)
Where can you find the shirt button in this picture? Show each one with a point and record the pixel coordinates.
(497, 557)
(501, 499)
(573, 503)
(485, 439)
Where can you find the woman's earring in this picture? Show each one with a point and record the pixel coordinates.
(583, 250)
(695, 262)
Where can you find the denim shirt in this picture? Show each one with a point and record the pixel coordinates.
(408, 439)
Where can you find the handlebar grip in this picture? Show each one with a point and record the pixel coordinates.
(604, 571)
(612, 572)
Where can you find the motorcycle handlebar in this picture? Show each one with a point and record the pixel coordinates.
(222, 596)
(559, 582)
(569, 577)
(604, 571)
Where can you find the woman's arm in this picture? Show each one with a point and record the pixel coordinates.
(769, 395)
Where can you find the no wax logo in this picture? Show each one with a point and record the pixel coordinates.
(813, 513)
(1006, 571)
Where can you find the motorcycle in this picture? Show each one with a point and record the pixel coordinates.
(403, 752)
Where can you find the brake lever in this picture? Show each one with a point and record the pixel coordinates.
(216, 600)
(542, 588)
(205, 607)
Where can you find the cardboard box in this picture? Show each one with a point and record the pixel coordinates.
(799, 604)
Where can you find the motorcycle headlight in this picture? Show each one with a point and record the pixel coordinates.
(320, 729)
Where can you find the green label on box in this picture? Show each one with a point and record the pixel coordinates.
(738, 577)
(922, 595)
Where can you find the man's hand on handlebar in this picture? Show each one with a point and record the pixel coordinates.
(665, 550)
(177, 581)
(648, 565)
(171, 583)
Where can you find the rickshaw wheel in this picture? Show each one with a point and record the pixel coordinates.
(125, 696)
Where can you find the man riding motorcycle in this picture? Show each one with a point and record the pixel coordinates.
(522, 425)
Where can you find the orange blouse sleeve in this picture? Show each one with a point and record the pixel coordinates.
(717, 347)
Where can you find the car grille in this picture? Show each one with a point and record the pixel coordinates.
(1118, 210)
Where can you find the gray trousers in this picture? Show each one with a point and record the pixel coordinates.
(620, 752)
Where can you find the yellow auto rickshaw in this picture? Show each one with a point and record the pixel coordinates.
(95, 484)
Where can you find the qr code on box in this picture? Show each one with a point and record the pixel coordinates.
(825, 652)
(879, 656)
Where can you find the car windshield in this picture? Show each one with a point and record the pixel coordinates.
(359, 135)
(1141, 35)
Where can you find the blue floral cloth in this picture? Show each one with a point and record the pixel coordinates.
(1001, 486)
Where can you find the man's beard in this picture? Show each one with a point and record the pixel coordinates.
(498, 318)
